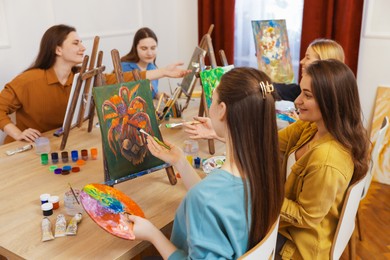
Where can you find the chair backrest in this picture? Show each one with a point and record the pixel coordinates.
(265, 249)
(375, 154)
(346, 224)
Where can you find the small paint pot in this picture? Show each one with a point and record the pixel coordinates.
(75, 155)
(197, 162)
(55, 200)
(65, 156)
(54, 157)
(44, 159)
(94, 153)
(84, 154)
(44, 198)
(47, 209)
(58, 171)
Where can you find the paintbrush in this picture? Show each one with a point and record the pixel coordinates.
(74, 194)
(155, 138)
(146, 133)
(194, 122)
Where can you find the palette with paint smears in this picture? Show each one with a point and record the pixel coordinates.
(106, 206)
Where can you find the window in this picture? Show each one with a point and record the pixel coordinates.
(248, 10)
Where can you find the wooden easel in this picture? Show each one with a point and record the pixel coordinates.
(119, 76)
(202, 45)
(84, 75)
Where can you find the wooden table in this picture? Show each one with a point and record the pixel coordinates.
(23, 179)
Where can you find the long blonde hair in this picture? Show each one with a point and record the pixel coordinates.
(328, 49)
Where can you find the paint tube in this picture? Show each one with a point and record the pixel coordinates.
(71, 230)
(46, 230)
(60, 226)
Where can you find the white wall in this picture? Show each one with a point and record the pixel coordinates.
(23, 22)
(374, 54)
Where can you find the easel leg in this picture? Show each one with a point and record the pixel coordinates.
(171, 175)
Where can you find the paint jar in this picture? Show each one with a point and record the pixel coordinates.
(94, 153)
(191, 149)
(54, 157)
(65, 156)
(47, 209)
(84, 154)
(44, 159)
(55, 200)
(42, 145)
(72, 206)
(44, 198)
(75, 155)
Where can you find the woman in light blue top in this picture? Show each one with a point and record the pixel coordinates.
(232, 209)
(142, 56)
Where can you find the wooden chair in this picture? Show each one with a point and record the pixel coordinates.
(265, 249)
(346, 226)
(374, 161)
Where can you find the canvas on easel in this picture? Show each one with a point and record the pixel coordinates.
(121, 109)
(272, 50)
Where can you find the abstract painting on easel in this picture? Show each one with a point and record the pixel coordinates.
(121, 108)
(381, 172)
(272, 49)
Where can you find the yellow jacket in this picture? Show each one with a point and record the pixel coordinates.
(314, 192)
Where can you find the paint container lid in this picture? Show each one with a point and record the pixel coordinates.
(58, 171)
(47, 206)
(80, 162)
(42, 145)
(76, 169)
(66, 168)
(54, 199)
(65, 172)
(44, 197)
(52, 168)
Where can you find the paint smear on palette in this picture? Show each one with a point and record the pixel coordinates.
(106, 205)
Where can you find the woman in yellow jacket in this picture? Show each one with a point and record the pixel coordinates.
(323, 153)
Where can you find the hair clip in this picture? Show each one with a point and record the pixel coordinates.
(266, 89)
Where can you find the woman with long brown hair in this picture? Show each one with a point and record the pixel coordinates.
(233, 208)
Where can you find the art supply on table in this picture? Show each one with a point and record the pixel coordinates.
(66, 168)
(173, 125)
(52, 168)
(71, 202)
(65, 156)
(60, 227)
(75, 155)
(94, 153)
(58, 171)
(55, 200)
(212, 163)
(44, 198)
(42, 145)
(155, 138)
(44, 159)
(19, 150)
(191, 148)
(109, 207)
(84, 154)
(197, 162)
(54, 157)
(75, 169)
(71, 230)
(80, 162)
(65, 172)
(47, 209)
(47, 234)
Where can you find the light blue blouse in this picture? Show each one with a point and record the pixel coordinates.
(129, 66)
(210, 223)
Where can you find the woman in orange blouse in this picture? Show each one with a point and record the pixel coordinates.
(40, 94)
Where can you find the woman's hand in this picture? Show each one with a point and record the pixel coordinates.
(171, 156)
(172, 70)
(204, 130)
(143, 229)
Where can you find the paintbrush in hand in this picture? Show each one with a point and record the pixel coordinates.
(146, 133)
